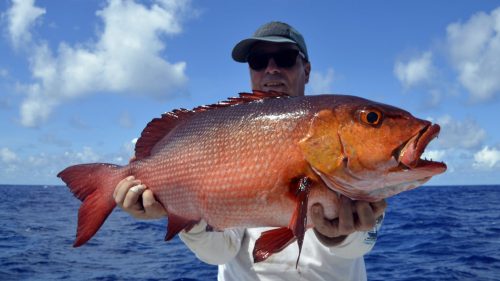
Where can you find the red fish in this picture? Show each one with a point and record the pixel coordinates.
(263, 159)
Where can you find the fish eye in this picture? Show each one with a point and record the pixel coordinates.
(371, 117)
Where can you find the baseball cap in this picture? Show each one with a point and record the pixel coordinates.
(276, 32)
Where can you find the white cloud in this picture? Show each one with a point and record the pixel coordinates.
(7, 155)
(414, 71)
(87, 155)
(21, 17)
(37, 161)
(435, 155)
(127, 57)
(129, 148)
(43, 166)
(10, 161)
(474, 48)
(321, 83)
(465, 134)
(487, 158)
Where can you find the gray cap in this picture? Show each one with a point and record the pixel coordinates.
(277, 32)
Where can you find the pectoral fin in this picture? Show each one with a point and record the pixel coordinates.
(275, 240)
(272, 241)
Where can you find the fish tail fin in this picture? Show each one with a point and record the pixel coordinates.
(93, 184)
(275, 240)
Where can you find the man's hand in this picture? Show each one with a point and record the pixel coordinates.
(135, 199)
(353, 216)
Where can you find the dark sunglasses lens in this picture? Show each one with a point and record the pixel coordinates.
(258, 61)
(286, 58)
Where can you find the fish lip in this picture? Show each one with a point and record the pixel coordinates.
(409, 153)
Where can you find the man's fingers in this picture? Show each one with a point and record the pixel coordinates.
(134, 198)
(119, 186)
(378, 208)
(122, 188)
(152, 207)
(131, 200)
(321, 224)
(366, 218)
(149, 200)
(346, 218)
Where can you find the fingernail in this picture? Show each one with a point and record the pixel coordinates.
(137, 188)
(129, 178)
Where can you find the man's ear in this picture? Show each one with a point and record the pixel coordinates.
(307, 71)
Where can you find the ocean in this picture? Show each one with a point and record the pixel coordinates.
(430, 233)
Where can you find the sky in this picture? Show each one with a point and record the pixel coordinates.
(79, 79)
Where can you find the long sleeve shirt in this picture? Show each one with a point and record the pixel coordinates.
(232, 249)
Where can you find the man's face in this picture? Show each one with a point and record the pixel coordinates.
(288, 80)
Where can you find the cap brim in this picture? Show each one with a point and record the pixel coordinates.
(242, 49)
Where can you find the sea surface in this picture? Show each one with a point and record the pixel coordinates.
(431, 233)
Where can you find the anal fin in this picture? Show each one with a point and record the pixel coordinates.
(176, 224)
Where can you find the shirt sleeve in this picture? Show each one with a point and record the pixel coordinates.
(358, 243)
(213, 247)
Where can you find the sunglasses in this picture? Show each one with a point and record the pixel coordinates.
(284, 59)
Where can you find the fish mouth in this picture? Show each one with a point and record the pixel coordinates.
(409, 154)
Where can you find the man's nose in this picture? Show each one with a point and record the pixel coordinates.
(272, 67)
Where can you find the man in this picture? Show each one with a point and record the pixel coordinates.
(278, 61)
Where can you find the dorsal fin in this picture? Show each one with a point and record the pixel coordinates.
(157, 128)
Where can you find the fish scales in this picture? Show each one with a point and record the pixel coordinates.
(237, 160)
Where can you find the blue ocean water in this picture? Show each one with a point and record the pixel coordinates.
(431, 233)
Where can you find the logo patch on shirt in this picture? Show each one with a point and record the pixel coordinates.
(371, 236)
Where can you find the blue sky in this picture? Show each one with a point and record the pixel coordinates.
(79, 79)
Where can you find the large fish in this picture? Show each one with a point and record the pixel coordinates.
(263, 159)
